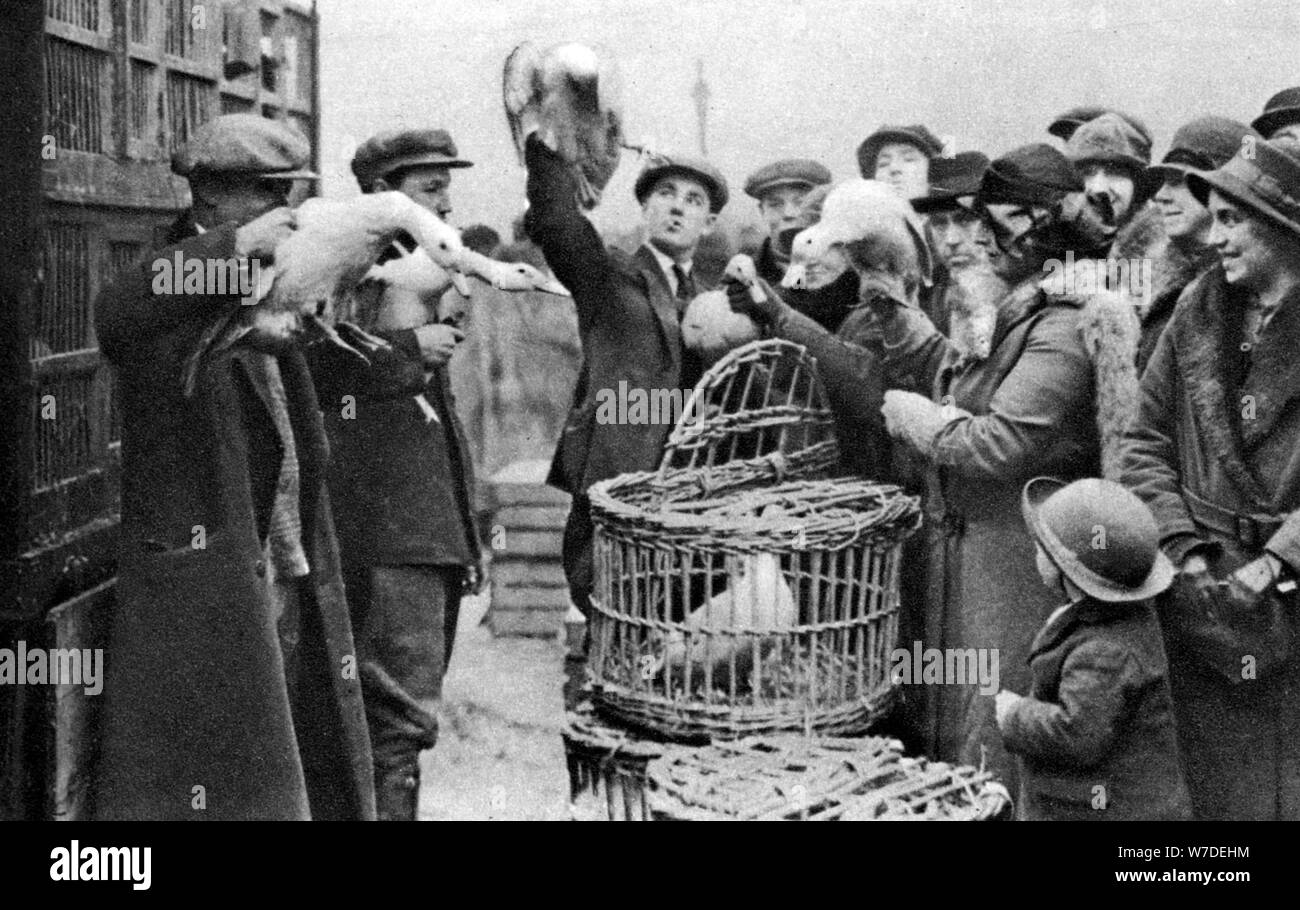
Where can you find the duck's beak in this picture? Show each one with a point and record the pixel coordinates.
(459, 282)
(551, 286)
(796, 276)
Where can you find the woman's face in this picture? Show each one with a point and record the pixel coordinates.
(1183, 216)
(905, 168)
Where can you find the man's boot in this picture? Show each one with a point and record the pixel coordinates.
(397, 792)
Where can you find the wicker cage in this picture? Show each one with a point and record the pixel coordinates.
(741, 589)
(797, 778)
(607, 768)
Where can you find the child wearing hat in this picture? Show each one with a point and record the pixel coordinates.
(1095, 735)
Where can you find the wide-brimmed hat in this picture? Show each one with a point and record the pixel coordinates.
(1034, 174)
(695, 168)
(245, 145)
(1283, 109)
(1262, 177)
(1202, 144)
(393, 150)
(952, 179)
(915, 134)
(1100, 535)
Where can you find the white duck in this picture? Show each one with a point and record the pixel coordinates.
(760, 601)
(870, 223)
(333, 246)
(576, 96)
(418, 272)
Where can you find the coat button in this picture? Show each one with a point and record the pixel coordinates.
(260, 568)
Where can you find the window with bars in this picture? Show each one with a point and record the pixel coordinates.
(74, 75)
(142, 98)
(182, 38)
(81, 13)
(139, 22)
(189, 104)
(61, 324)
(62, 416)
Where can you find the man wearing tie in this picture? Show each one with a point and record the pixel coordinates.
(629, 320)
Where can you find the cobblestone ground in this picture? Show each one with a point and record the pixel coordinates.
(499, 754)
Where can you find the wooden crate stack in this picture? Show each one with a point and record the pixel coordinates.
(529, 594)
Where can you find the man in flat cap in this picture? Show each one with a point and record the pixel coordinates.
(1281, 115)
(900, 156)
(780, 188)
(401, 482)
(231, 692)
(1212, 452)
(629, 319)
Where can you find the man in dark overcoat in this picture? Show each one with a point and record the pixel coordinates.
(629, 320)
(231, 687)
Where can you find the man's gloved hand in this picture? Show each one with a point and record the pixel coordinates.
(1196, 572)
(916, 419)
(259, 238)
(742, 301)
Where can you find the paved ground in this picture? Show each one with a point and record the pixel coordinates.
(499, 754)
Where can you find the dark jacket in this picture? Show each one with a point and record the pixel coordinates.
(1096, 734)
(195, 689)
(401, 484)
(1220, 427)
(1031, 413)
(628, 321)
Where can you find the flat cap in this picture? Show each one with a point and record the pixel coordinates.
(1110, 138)
(683, 165)
(245, 144)
(1034, 174)
(1283, 109)
(1063, 127)
(790, 171)
(916, 135)
(388, 151)
(951, 179)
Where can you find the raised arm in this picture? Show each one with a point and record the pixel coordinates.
(573, 249)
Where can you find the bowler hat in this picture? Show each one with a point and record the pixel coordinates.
(790, 171)
(391, 150)
(1283, 109)
(695, 168)
(1203, 144)
(951, 179)
(1262, 176)
(1101, 536)
(1034, 174)
(245, 144)
(1065, 125)
(916, 135)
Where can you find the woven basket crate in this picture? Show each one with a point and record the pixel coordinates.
(794, 778)
(740, 589)
(607, 768)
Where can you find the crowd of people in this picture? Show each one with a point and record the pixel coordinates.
(1107, 466)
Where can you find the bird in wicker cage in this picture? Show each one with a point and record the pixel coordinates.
(759, 601)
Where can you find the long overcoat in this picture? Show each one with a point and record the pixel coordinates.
(198, 721)
(1221, 426)
(1029, 412)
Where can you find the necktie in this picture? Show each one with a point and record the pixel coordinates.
(685, 286)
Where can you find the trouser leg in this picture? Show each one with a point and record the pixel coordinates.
(399, 729)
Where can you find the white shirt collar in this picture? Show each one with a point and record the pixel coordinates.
(666, 263)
